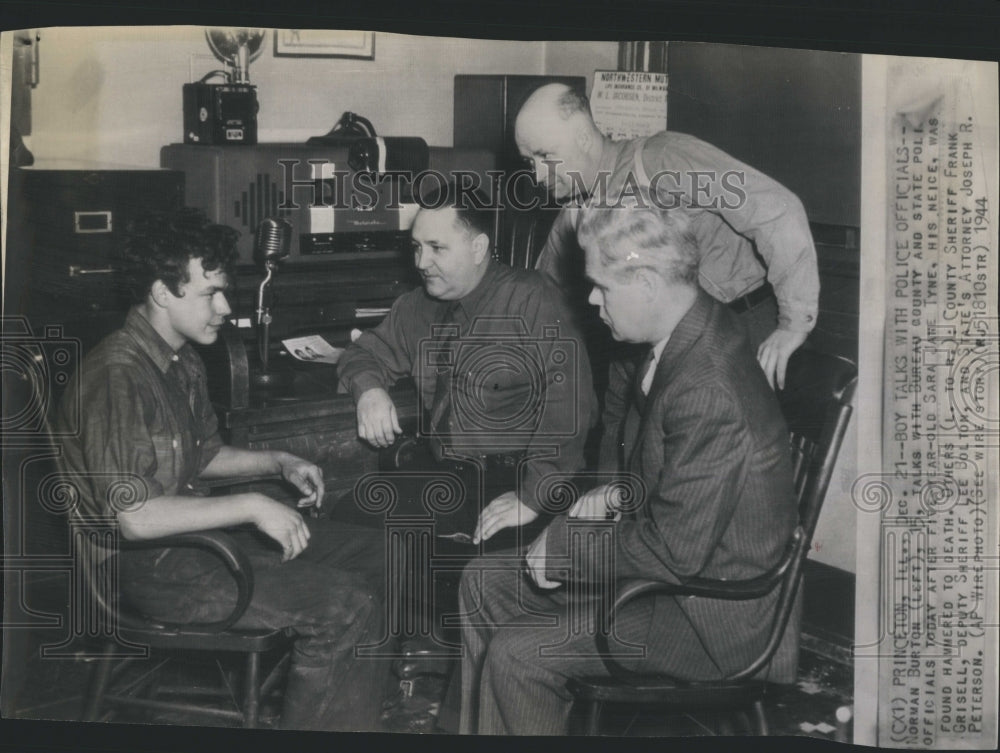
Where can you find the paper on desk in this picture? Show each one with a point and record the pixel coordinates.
(312, 348)
(366, 313)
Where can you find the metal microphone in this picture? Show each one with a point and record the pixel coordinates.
(271, 245)
(272, 240)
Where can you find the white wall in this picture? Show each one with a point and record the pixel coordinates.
(113, 95)
(835, 542)
(580, 58)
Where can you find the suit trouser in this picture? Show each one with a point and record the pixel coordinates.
(330, 596)
(522, 643)
(434, 593)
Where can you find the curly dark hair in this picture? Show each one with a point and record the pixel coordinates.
(158, 246)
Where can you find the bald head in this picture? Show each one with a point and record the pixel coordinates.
(555, 98)
(555, 132)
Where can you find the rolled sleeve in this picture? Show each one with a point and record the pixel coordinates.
(796, 317)
(210, 447)
(766, 213)
(380, 356)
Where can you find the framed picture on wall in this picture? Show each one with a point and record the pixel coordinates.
(320, 43)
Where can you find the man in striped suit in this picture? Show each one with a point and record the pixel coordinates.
(696, 426)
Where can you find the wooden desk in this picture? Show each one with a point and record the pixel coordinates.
(306, 417)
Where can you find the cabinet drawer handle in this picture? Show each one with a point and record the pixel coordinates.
(78, 271)
(93, 222)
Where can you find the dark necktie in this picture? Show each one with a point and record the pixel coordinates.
(447, 333)
(642, 367)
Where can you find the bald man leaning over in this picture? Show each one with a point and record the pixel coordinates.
(756, 252)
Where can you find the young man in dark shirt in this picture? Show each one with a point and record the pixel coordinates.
(147, 422)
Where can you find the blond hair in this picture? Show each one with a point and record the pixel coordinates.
(629, 238)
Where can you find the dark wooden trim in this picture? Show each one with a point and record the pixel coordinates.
(828, 607)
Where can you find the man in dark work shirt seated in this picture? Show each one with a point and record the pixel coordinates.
(146, 419)
(502, 376)
(500, 369)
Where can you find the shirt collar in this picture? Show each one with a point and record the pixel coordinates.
(647, 378)
(150, 342)
(610, 153)
(658, 350)
(607, 164)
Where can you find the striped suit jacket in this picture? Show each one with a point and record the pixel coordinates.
(711, 448)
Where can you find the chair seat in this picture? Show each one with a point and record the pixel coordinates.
(244, 641)
(663, 689)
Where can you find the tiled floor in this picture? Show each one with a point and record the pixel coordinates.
(54, 690)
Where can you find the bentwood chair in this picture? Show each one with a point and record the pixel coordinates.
(165, 639)
(96, 546)
(522, 235)
(816, 405)
(98, 610)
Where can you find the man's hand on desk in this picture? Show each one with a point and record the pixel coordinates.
(378, 423)
(506, 511)
(233, 464)
(304, 476)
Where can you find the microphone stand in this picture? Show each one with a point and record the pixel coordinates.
(272, 244)
(264, 319)
(263, 377)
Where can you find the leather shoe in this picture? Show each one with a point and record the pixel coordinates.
(415, 707)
